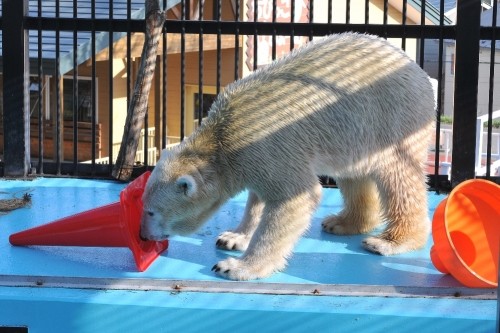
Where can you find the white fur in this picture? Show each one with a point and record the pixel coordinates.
(348, 106)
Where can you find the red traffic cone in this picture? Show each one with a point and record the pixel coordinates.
(114, 225)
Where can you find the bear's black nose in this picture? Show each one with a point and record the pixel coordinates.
(144, 239)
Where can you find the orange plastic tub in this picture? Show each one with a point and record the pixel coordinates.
(466, 233)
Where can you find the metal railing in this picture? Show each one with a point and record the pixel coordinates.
(91, 41)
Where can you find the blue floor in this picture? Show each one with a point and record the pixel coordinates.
(330, 284)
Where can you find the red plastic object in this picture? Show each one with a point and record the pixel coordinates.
(114, 225)
(466, 233)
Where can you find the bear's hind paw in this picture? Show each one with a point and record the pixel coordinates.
(338, 225)
(386, 247)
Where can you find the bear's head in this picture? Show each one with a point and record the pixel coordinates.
(180, 195)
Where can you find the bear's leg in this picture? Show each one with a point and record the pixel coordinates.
(361, 213)
(239, 238)
(403, 197)
(283, 222)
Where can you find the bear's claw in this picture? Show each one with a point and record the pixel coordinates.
(232, 241)
(217, 269)
(234, 269)
(221, 243)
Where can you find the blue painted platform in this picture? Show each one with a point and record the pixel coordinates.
(330, 285)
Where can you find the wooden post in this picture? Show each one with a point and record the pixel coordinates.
(139, 100)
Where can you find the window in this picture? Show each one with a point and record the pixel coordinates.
(207, 101)
(84, 100)
(193, 106)
(39, 90)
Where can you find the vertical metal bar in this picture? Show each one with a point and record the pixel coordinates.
(129, 53)
(200, 63)
(157, 142)
(255, 34)
(145, 141)
(16, 117)
(41, 97)
(164, 86)
(111, 86)
(465, 99)
(422, 34)
(367, 11)
(292, 32)
(237, 42)
(311, 19)
(403, 23)
(183, 66)
(273, 37)
(94, 88)
(439, 97)
(187, 10)
(219, 45)
(386, 14)
(59, 128)
(491, 90)
(75, 89)
(330, 11)
(348, 11)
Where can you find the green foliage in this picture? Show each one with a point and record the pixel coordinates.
(446, 120)
(449, 120)
(495, 123)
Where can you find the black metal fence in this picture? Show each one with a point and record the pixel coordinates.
(68, 69)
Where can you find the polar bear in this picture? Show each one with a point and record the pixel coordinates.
(349, 106)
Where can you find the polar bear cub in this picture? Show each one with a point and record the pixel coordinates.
(349, 106)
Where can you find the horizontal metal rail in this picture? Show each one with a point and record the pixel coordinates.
(248, 28)
(246, 287)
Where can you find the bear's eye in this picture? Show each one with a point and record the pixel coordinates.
(151, 213)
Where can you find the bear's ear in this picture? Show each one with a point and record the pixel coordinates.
(165, 153)
(187, 185)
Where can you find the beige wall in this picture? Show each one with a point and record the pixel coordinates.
(103, 95)
(120, 103)
(209, 79)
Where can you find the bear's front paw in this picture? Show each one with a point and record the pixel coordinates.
(237, 269)
(232, 241)
(232, 269)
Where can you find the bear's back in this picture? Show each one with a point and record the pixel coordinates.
(347, 94)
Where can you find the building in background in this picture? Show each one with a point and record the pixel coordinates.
(222, 61)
